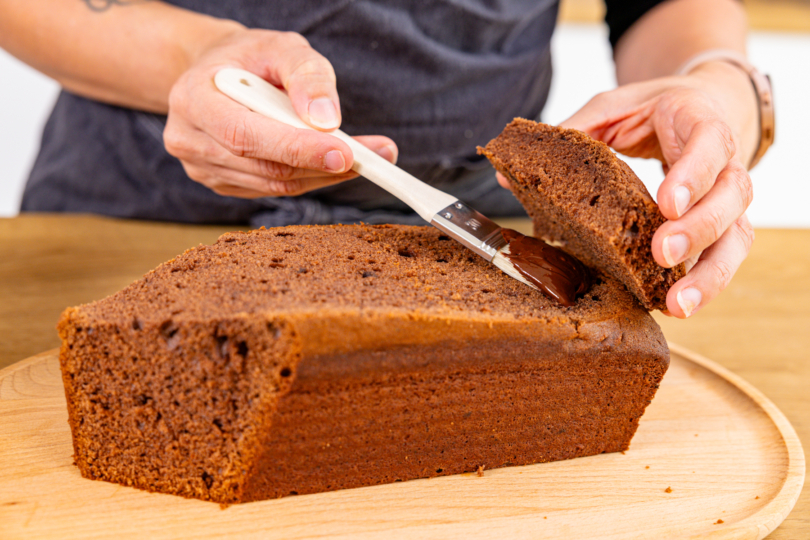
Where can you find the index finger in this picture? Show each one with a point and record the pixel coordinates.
(309, 79)
(247, 134)
(707, 151)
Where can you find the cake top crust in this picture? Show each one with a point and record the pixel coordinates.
(380, 268)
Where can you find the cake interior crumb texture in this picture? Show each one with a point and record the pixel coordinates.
(586, 200)
(307, 359)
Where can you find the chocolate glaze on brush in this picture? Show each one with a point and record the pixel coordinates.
(557, 274)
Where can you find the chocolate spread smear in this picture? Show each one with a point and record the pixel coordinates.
(558, 275)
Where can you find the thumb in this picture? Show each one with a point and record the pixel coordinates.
(310, 82)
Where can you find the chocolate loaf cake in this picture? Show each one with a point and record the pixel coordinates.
(584, 199)
(307, 359)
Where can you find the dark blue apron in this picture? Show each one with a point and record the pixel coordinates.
(438, 77)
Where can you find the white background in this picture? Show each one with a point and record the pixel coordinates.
(583, 67)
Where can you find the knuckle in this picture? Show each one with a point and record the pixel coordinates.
(722, 272)
(704, 173)
(742, 183)
(286, 188)
(671, 102)
(678, 104)
(725, 136)
(173, 141)
(237, 138)
(212, 153)
(275, 170)
(314, 67)
(207, 177)
(218, 185)
(198, 174)
(294, 153)
(746, 233)
(714, 222)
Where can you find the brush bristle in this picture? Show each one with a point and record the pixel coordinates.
(501, 261)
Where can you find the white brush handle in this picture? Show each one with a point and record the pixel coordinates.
(262, 97)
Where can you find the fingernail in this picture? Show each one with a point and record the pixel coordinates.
(334, 161)
(682, 199)
(322, 113)
(388, 152)
(689, 299)
(675, 248)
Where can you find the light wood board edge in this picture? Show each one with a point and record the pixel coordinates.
(756, 526)
(765, 521)
(22, 364)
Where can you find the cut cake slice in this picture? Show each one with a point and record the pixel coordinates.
(584, 199)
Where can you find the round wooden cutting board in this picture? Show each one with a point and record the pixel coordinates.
(712, 458)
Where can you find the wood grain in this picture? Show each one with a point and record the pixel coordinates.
(758, 327)
(50, 262)
(709, 448)
(780, 15)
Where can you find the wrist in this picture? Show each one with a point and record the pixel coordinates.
(731, 87)
(206, 35)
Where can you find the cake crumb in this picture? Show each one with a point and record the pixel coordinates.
(647, 467)
(545, 517)
(480, 471)
(757, 497)
(668, 490)
(719, 521)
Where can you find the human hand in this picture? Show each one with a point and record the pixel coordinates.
(239, 153)
(707, 188)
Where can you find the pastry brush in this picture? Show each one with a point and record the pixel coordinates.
(442, 210)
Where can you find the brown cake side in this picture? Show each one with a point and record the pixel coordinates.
(308, 359)
(583, 198)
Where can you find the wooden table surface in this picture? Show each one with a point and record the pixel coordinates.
(759, 327)
(772, 15)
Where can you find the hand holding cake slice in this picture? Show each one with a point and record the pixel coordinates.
(307, 359)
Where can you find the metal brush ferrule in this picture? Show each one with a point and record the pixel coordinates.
(471, 228)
